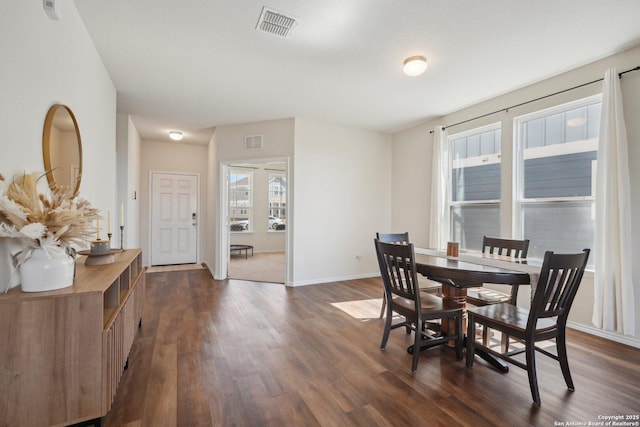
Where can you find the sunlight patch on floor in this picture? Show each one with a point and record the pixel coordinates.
(365, 309)
(496, 339)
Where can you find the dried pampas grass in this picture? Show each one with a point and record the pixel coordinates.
(49, 217)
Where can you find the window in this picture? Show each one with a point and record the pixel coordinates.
(277, 201)
(555, 175)
(475, 185)
(240, 200)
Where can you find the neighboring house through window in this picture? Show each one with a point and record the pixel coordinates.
(240, 200)
(556, 153)
(475, 185)
(277, 201)
(554, 172)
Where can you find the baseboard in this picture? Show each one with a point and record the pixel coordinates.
(612, 336)
(213, 273)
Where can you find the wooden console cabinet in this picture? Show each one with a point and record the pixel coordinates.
(62, 353)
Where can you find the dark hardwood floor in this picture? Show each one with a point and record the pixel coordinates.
(235, 353)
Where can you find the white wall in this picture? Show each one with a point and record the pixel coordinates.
(132, 193)
(172, 157)
(128, 161)
(411, 145)
(342, 197)
(277, 140)
(210, 199)
(414, 168)
(339, 192)
(45, 62)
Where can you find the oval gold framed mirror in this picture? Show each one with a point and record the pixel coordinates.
(62, 148)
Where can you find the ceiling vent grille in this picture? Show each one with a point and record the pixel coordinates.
(253, 142)
(276, 23)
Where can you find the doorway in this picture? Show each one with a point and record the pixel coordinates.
(256, 208)
(174, 218)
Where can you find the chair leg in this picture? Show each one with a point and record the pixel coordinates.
(514, 300)
(561, 345)
(485, 335)
(387, 329)
(471, 330)
(530, 352)
(416, 347)
(505, 342)
(384, 304)
(459, 337)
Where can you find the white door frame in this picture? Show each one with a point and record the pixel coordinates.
(222, 251)
(150, 204)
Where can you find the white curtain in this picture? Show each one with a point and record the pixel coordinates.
(613, 286)
(439, 223)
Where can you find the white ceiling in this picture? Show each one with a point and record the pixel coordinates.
(192, 65)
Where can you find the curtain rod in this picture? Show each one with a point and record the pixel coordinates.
(538, 99)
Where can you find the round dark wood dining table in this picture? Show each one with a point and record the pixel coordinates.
(456, 276)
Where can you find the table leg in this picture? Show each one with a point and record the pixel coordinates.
(457, 296)
(499, 364)
(448, 326)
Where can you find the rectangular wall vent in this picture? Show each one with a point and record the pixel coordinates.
(276, 23)
(253, 142)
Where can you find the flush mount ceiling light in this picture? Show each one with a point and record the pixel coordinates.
(175, 135)
(415, 65)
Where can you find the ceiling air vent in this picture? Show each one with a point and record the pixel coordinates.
(253, 142)
(276, 23)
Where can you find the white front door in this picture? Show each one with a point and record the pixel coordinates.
(174, 218)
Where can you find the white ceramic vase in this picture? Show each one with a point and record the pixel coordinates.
(47, 270)
(9, 275)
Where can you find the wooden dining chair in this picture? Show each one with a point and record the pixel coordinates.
(560, 278)
(398, 269)
(481, 296)
(402, 238)
(505, 247)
